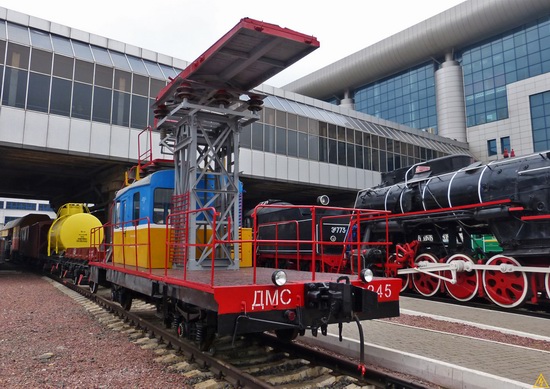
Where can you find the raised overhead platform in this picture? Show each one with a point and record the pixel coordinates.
(249, 54)
(200, 115)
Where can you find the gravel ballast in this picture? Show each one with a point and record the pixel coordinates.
(48, 340)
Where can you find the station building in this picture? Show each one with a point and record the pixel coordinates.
(73, 106)
(11, 209)
(478, 73)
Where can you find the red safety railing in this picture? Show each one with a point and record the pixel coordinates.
(315, 246)
(278, 250)
(121, 249)
(182, 247)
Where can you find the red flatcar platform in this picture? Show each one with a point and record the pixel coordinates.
(243, 290)
(249, 294)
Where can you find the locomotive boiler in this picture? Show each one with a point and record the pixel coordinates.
(441, 208)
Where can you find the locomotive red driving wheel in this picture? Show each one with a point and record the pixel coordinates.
(505, 289)
(391, 272)
(405, 280)
(426, 284)
(467, 282)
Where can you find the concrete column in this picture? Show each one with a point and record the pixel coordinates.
(449, 92)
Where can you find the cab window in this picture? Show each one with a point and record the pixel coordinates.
(161, 207)
(135, 206)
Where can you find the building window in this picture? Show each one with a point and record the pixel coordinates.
(245, 137)
(102, 105)
(139, 111)
(280, 140)
(407, 98)
(505, 144)
(45, 207)
(492, 147)
(15, 85)
(20, 205)
(8, 219)
(540, 120)
(321, 141)
(257, 136)
(60, 100)
(121, 108)
(513, 56)
(39, 92)
(82, 101)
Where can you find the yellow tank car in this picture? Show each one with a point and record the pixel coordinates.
(72, 229)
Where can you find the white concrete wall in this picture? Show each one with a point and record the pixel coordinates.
(67, 135)
(288, 169)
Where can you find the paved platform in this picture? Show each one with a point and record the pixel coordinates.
(451, 360)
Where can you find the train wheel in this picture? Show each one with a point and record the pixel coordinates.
(467, 282)
(405, 281)
(405, 278)
(507, 290)
(286, 334)
(547, 284)
(93, 287)
(126, 301)
(425, 284)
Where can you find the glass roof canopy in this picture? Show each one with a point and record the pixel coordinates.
(338, 119)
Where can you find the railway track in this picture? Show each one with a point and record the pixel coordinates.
(253, 362)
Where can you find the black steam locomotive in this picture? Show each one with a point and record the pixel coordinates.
(465, 228)
(301, 237)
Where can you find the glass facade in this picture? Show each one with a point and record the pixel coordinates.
(516, 55)
(56, 75)
(540, 120)
(48, 73)
(297, 130)
(407, 98)
(20, 205)
(45, 207)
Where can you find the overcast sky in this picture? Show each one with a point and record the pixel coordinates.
(185, 29)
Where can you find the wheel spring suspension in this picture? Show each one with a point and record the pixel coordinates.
(176, 320)
(199, 332)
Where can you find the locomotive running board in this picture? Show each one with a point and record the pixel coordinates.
(458, 266)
